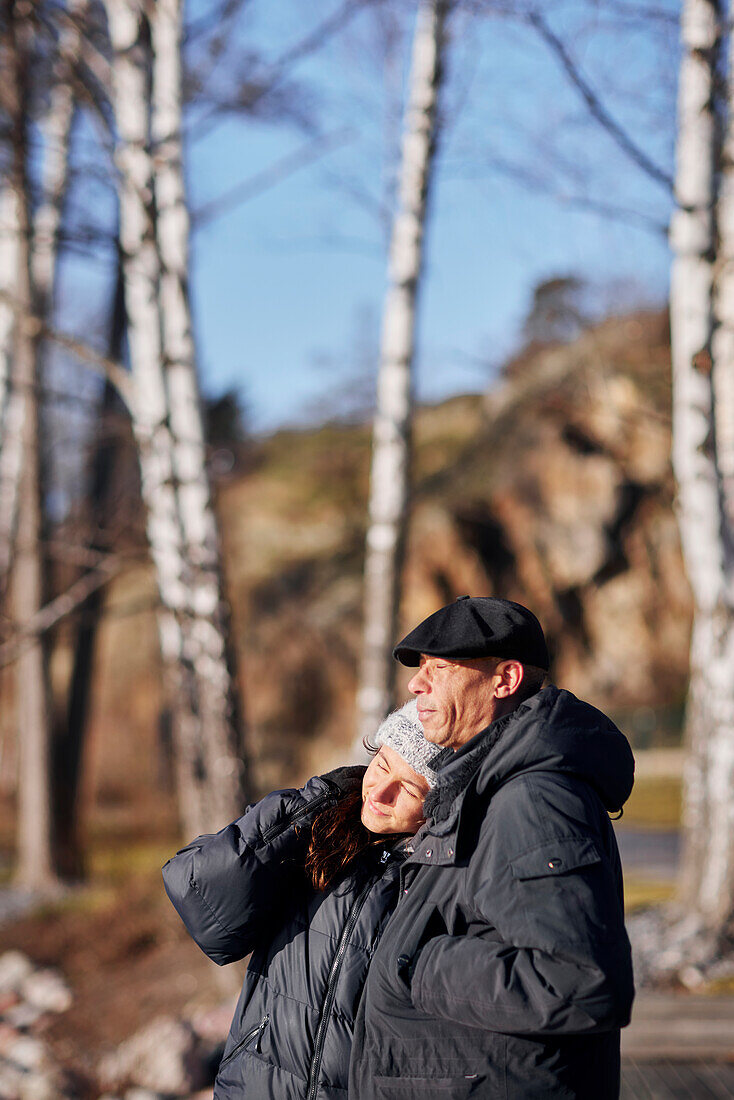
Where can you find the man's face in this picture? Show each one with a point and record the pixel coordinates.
(456, 699)
(392, 794)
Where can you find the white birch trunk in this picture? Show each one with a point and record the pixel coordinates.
(13, 397)
(699, 455)
(150, 405)
(391, 446)
(34, 868)
(207, 627)
(723, 340)
(8, 280)
(56, 129)
(206, 779)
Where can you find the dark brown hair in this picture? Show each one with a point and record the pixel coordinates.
(338, 838)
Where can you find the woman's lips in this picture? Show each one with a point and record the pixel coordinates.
(374, 809)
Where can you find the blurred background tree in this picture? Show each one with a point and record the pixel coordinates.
(132, 484)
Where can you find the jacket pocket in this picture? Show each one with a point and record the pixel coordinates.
(252, 1038)
(555, 857)
(455, 1088)
(423, 930)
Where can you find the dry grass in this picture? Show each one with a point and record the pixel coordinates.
(655, 803)
(639, 892)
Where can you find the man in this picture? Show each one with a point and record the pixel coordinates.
(505, 970)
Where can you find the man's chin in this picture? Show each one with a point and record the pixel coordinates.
(436, 737)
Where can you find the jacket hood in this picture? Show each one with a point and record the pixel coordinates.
(552, 731)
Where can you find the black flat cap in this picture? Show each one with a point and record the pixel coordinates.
(477, 626)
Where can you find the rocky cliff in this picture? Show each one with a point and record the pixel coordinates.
(555, 490)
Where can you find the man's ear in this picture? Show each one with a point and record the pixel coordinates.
(511, 675)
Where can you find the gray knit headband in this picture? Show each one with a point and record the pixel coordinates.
(403, 732)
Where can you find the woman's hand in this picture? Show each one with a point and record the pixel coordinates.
(345, 779)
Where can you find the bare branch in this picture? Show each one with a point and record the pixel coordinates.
(274, 173)
(59, 608)
(321, 33)
(34, 326)
(275, 72)
(227, 10)
(532, 181)
(221, 39)
(641, 11)
(596, 107)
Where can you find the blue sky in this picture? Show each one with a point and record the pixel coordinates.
(287, 287)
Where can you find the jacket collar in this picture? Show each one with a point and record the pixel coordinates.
(444, 800)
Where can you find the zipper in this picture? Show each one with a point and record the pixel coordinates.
(336, 965)
(281, 826)
(243, 1042)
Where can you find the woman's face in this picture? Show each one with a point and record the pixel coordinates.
(392, 794)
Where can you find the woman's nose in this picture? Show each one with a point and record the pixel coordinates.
(384, 791)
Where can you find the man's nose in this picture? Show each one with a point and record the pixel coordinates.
(417, 683)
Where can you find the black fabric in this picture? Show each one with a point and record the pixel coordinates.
(477, 626)
(244, 890)
(505, 970)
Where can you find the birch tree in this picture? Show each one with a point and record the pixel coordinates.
(166, 416)
(13, 399)
(208, 619)
(391, 446)
(55, 129)
(8, 268)
(34, 868)
(702, 326)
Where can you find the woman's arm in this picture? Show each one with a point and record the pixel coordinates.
(228, 887)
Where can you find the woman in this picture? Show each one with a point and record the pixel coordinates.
(306, 881)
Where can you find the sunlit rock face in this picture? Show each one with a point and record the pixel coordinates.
(554, 489)
(565, 503)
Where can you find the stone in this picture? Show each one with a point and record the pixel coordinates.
(22, 1015)
(15, 967)
(214, 1023)
(166, 1057)
(47, 990)
(47, 1085)
(8, 998)
(10, 1081)
(27, 1052)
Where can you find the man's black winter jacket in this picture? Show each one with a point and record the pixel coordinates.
(505, 971)
(244, 889)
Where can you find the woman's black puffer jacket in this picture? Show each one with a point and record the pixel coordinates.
(244, 890)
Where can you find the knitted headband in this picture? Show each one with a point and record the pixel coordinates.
(403, 732)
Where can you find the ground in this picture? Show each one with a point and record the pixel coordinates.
(125, 954)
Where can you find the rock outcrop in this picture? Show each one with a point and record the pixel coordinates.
(556, 490)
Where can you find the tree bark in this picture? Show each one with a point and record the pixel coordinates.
(8, 268)
(207, 612)
(56, 131)
(701, 452)
(56, 128)
(208, 781)
(70, 734)
(130, 96)
(13, 398)
(34, 869)
(391, 446)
